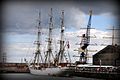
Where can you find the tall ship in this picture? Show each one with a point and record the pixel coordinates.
(49, 64)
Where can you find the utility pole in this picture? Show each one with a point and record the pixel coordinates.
(113, 37)
(113, 34)
(4, 57)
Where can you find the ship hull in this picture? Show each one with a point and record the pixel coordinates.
(55, 71)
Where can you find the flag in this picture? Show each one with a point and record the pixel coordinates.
(68, 45)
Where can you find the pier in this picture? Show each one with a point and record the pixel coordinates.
(14, 67)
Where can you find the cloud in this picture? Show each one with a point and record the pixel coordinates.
(99, 6)
(27, 49)
(108, 14)
(74, 18)
(99, 41)
(23, 19)
(19, 18)
(24, 14)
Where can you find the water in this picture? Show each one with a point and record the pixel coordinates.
(27, 76)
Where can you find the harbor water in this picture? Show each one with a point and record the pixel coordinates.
(28, 76)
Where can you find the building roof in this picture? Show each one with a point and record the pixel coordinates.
(109, 49)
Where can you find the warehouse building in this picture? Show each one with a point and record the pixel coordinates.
(110, 55)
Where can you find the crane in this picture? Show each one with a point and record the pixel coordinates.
(85, 41)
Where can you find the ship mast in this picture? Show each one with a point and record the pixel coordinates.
(60, 55)
(62, 38)
(38, 43)
(49, 51)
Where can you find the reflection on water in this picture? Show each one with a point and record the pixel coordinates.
(27, 76)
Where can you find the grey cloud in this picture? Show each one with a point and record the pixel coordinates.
(99, 6)
(24, 13)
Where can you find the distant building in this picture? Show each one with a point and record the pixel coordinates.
(3, 57)
(110, 55)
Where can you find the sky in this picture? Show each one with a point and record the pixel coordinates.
(19, 21)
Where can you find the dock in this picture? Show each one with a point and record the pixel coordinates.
(14, 67)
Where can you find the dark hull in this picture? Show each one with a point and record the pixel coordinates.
(98, 75)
